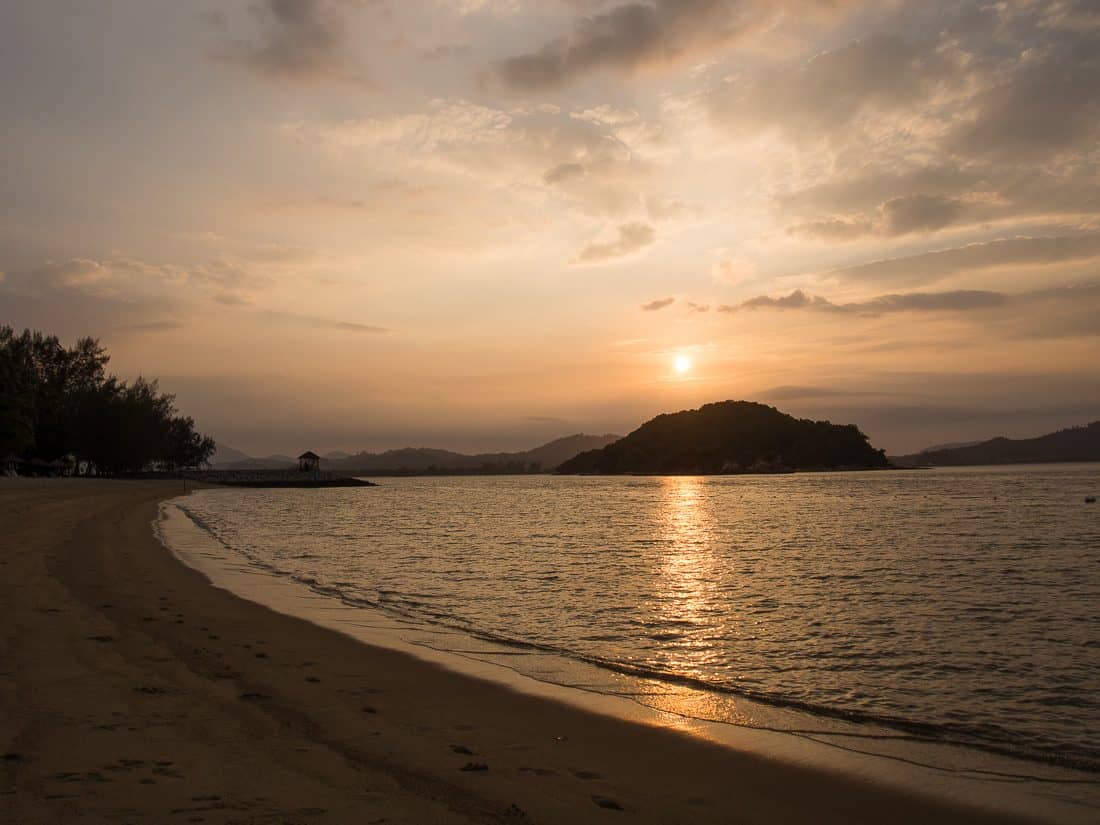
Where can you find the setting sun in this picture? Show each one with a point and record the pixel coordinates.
(682, 364)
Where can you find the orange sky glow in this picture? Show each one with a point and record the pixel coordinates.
(482, 224)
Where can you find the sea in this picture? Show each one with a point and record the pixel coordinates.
(943, 616)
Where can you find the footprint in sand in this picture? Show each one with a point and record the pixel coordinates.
(587, 775)
(478, 767)
(538, 771)
(462, 749)
(606, 802)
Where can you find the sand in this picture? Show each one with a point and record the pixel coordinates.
(132, 690)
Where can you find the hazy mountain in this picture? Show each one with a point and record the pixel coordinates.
(425, 459)
(1074, 444)
(224, 454)
(560, 450)
(271, 462)
(951, 446)
(731, 436)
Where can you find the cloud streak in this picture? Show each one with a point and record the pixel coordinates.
(658, 304)
(936, 266)
(961, 300)
(633, 237)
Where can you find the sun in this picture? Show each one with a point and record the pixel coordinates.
(682, 364)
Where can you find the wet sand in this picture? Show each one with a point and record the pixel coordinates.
(131, 690)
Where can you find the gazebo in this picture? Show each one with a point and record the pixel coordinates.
(309, 462)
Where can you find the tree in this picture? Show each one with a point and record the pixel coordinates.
(56, 401)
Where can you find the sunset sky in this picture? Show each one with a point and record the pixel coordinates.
(482, 224)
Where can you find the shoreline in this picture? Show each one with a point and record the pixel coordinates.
(135, 690)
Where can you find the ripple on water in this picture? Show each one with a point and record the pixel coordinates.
(959, 602)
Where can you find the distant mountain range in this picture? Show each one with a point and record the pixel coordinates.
(1074, 444)
(425, 460)
(731, 437)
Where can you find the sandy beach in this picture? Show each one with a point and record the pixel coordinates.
(131, 690)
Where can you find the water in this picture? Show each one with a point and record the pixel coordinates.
(950, 605)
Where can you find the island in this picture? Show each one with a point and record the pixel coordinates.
(732, 437)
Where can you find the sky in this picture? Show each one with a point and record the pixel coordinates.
(482, 224)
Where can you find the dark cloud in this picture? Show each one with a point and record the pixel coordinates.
(624, 37)
(563, 172)
(633, 237)
(944, 115)
(796, 300)
(639, 34)
(824, 95)
(660, 303)
(919, 213)
(304, 41)
(1045, 104)
(936, 266)
(698, 308)
(954, 301)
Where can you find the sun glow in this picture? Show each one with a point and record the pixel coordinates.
(682, 364)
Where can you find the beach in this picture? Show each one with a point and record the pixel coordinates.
(133, 690)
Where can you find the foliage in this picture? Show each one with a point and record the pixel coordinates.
(729, 437)
(57, 401)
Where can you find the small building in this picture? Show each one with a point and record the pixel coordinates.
(309, 462)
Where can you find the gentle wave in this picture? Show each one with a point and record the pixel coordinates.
(415, 513)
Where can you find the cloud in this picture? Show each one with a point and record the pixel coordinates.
(326, 323)
(563, 172)
(697, 308)
(1045, 104)
(304, 42)
(829, 93)
(603, 168)
(919, 213)
(833, 229)
(638, 35)
(901, 215)
(625, 37)
(936, 266)
(633, 237)
(954, 301)
(659, 303)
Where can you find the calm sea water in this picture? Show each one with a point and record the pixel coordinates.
(953, 605)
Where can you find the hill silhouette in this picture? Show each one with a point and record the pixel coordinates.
(1073, 444)
(731, 437)
(428, 460)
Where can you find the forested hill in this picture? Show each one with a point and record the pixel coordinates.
(731, 437)
(1073, 444)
